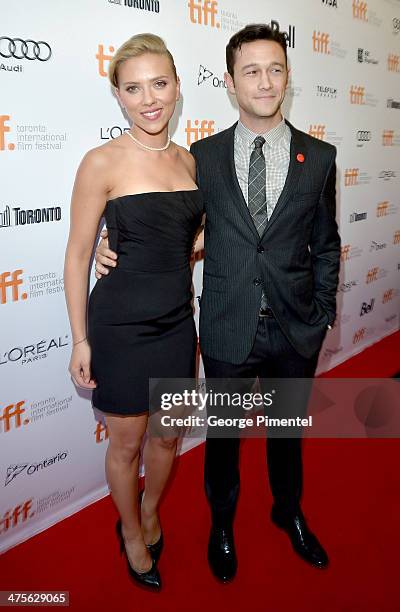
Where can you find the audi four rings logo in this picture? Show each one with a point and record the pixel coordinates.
(363, 136)
(24, 49)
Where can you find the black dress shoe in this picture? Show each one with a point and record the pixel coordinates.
(303, 541)
(221, 553)
(156, 548)
(150, 579)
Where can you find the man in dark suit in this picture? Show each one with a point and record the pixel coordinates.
(272, 254)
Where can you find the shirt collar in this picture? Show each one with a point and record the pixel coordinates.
(271, 136)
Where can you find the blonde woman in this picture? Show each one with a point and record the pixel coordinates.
(138, 323)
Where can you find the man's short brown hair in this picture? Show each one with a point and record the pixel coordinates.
(252, 32)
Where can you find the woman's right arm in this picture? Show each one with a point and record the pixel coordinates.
(87, 206)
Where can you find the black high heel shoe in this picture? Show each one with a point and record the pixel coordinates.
(156, 548)
(151, 578)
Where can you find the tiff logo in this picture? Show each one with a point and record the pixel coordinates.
(12, 415)
(382, 209)
(204, 12)
(11, 280)
(396, 237)
(317, 131)
(102, 58)
(195, 133)
(345, 252)
(372, 275)
(320, 42)
(351, 177)
(357, 94)
(4, 129)
(19, 514)
(387, 138)
(101, 433)
(388, 296)
(360, 10)
(393, 63)
(359, 335)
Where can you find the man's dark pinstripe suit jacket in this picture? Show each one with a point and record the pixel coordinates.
(296, 259)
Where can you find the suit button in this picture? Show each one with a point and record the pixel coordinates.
(257, 281)
(260, 249)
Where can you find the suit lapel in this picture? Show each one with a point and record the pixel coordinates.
(297, 146)
(228, 171)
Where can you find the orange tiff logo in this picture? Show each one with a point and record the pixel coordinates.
(11, 281)
(382, 209)
(393, 63)
(396, 237)
(204, 12)
(357, 94)
(387, 138)
(320, 42)
(102, 58)
(11, 416)
(388, 296)
(351, 177)
(199, 130)
(317, 131)
(359, 335)
(101, 433)
(4, 129)
(372, 275)
(360, 10)
(345, 252)
(18, 515)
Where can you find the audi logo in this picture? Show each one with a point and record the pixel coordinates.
(363, 136)
(24, 49)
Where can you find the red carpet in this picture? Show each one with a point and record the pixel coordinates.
(351, 499)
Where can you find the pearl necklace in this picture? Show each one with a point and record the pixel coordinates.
(150, 148)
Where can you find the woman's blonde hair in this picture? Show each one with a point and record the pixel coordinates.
(135, 46)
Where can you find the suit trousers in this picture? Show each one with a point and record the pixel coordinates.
(272, 356)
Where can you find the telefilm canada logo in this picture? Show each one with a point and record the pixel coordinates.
(33, 468)
(327, 91)
(152, 6)
(16, 216)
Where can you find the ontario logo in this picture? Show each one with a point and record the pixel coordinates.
(206, 75)
(32, 468)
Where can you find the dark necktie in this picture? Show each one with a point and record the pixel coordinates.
(257, 193)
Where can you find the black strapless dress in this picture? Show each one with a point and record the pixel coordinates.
(140, 317)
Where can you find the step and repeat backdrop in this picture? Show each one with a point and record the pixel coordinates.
(56, 103)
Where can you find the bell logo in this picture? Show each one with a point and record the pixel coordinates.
(372, 275)
(20, 514)
(193, 134)
(204, 12)
(320, 42)
(382, 209)
(360, 10)
(357, 94)
(396, 237)
(345, 252)
(3, 130)
(393, 63)
(317, 131)
(101, 433)
(359, 335)
(388, 296)
(387, 138)
(102, 58)
(350, 177)
(11, 280)
(11, 416)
